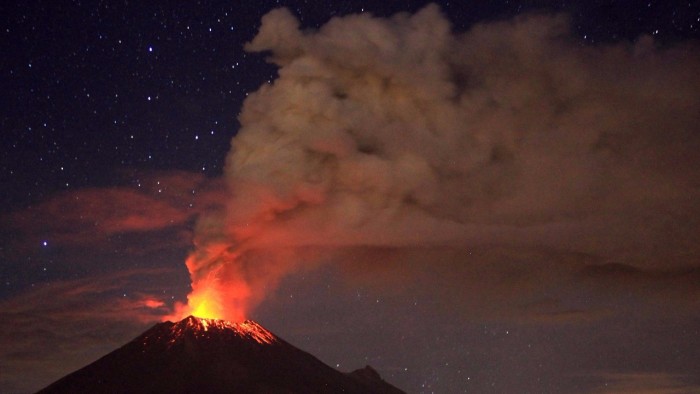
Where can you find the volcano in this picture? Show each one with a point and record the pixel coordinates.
(197, 355)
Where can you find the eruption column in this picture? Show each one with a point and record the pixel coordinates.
(398, 133)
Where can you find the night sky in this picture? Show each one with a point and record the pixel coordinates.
(489, 196)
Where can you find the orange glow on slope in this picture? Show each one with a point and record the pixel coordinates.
(245, 329)
(201, 328)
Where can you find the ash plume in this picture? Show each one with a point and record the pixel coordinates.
(400, 133)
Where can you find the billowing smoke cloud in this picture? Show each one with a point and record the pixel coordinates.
(400, 133)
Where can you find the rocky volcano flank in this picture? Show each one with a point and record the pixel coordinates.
(197, 355)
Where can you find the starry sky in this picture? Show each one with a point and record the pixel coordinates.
(117, 125)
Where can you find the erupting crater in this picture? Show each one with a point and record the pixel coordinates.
(207, 328)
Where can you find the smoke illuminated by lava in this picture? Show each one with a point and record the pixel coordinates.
(400, 133)
(214, 296)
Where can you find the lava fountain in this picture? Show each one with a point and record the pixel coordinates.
(218, 293)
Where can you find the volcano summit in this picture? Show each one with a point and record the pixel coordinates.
(197, 355)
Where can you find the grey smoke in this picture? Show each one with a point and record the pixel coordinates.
(401, 133)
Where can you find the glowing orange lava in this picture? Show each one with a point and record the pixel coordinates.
(211, 297)
(204, 329)
(245, 329)
(205, 304)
